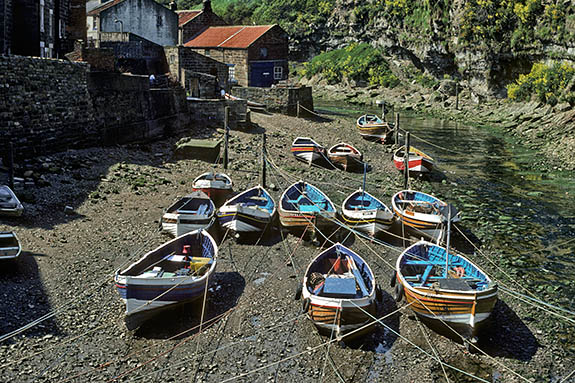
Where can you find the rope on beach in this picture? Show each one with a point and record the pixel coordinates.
(426, 336)
(310, 111)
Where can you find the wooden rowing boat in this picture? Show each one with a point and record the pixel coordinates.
(192, 212)
(217, 186)
(366, 213)
(10, 247)
(450, 291)
(10, 205)
(302, 206)
(339, 292)
(175, 272)
(373, 128)
(417, 160)
(346, 157)
(250, 211)
(307, 150)
(422, 213)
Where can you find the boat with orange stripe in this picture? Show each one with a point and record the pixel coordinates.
(302, 206)
(422, 213)
(417, 161)
(373, 128)
(339, 292)
(444, 290)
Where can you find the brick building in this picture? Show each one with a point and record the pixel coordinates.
(255, 55)
(190, 23)
(145, 18)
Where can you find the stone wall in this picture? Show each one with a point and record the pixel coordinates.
(212, 112)
(182, 59)
(205, 19)
(52, 105)
(44, 105)
(5, 26)
(280, 99)
(236, 57)
(135, 54)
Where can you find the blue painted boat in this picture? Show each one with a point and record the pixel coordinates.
(250, 211)
(175, 272)
(364, 212)
(303, 205)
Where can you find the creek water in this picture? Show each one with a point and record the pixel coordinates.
(524, 216)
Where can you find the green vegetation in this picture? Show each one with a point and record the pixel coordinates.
(547, 83)
(355, 62)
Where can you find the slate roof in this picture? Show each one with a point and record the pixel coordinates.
(185, 16)
(96, 11)
(241, 36)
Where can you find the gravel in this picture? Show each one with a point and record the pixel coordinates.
(91, 211)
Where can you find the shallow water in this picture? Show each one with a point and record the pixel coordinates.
(525, 215)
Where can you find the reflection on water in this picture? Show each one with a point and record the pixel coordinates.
(525, 215)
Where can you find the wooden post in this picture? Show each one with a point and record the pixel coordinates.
(406, 162)
(11, 166)
(456, 96)
(396, 129)
(297, 109)
(383, 110)
(226, 135)
(263, 180)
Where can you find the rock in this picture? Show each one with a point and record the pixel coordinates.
(69, 210)
(563, 107)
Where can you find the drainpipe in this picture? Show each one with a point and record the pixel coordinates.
(121, 25)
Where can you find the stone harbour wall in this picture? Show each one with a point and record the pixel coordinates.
(49, 105)
(278, 99)
(44, 104)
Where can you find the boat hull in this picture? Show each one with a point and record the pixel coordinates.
(10, 247)
(301, 221)
(177, 227)
(10, 205)
(348, 163)
(369, 222)
(420, 165)
(244, 219)
(429, 227)
(341, 319)
(307, 155)
(464, 312)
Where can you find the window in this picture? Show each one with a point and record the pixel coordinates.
(159, 21)
(50, 22)
(231, 72)
(278, 73)
(207, 52)
(263, 52)
(41, 15)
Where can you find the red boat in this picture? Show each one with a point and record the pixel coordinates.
(417, 160)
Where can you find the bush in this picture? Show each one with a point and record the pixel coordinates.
(544, 82)
(356, 62)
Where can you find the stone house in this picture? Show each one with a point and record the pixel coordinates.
(201, 76)
(145, 18)
(191, 22)
(256, 55)
(38, 27)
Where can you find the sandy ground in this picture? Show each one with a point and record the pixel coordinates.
(253, 329)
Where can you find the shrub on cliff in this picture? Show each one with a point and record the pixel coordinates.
(358, 62)
(544, 82)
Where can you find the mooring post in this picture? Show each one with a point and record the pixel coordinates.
(406, 162)
(456, 96)
(226, 135)
(396, 129)
(297, 113)
(11, 165)
(263, 180)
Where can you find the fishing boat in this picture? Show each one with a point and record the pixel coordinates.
(366, 213)
(339, 292)
(175, 272)
(249, 211)
(192, 212)
(417, 160)
(445, 290)
(10, 205)
(217, 186)
(422, 213)
(373, 128)
(10, 247)
(346, 157)
(307, 150)
(303, 206)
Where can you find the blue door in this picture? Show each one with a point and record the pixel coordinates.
(261, 74)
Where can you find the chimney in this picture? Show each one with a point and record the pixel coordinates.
(207, 6)
(173, 6)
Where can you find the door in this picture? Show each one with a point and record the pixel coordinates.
(261, 74)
